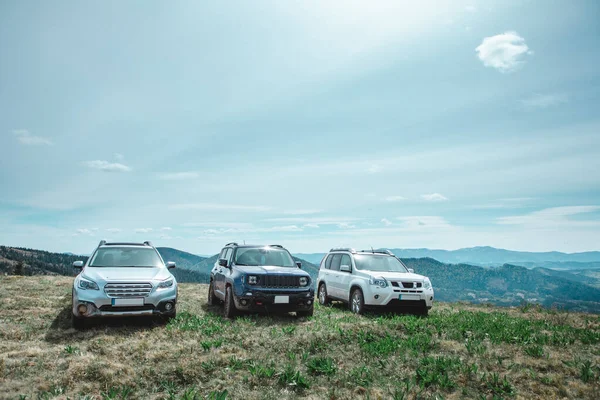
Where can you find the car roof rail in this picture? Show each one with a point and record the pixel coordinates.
(350, 249)
(102, 243)
(148, 243)
(276, 245)
(231, 244)
(378, 251)
(123, 243)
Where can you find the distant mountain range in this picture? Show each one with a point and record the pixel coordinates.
(492, 257)
(507, 284)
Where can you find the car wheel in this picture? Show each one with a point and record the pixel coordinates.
(212, 298)
(229, 309)
(77, 322)
(424, 311)
(357, 302)
(305, 313)
(324, 300)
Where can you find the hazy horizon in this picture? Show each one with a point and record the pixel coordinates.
(318, 124)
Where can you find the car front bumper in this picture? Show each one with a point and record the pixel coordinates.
(98, 304)
(274, 300)
(396, 297)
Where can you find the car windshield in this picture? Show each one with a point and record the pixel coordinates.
(126, 257)
(379, 263)
(264, 256)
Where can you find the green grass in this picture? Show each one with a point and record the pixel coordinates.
(459, 351)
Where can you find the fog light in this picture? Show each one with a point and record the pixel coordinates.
(309, 302)
(82, 309)
(168, 306)
(376, 296)
(244, 302)
(431, 298)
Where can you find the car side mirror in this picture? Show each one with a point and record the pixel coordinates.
(77, 267)
(223, 262)
(412, 271)
(299, 264)
(171, 264)
(345, 268)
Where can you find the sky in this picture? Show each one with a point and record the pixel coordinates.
(311, 124)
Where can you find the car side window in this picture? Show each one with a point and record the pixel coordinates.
(335, 262)
(346, 261)
(228, 255)
(328, 262)
(222, 255)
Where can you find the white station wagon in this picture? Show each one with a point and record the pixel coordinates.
(123, 280)
(372, 278)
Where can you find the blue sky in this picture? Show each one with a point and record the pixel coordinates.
(312, 124)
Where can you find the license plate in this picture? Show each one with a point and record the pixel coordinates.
(137, 301)
(282, 299)
(409, 297)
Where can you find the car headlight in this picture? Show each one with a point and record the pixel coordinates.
(165, 284)
(303, 281)
(87, 284)
(378, 282)
(426, 283)
(252, 280)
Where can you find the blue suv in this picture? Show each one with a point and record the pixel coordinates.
(260, 278)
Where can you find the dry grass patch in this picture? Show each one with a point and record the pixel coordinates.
(459, 351)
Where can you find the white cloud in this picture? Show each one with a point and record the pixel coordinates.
(394, 198)
(84, 231)
(216, 206)
(113, 230)
(420, 222)
(471, 9)
(386, 221)
(538, 101)
(345, 225)
(554, 217)
(505, 52)
(165, 237)
(235, 225)
(26, 138)
(119, 156)
(314, 226)
(166, 228)
(143, 230)
(107, 166)
(178, 176)
(433, 197)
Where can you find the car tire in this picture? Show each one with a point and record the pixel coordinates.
(229, 310)
(424, 311)
(305, 313)
(324, 300)
(357, 301)
(212, 297)
(77, 322)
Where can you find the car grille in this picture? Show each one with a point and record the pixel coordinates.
(147, 307)
(408, 285)
(279, 281)
(131, 289)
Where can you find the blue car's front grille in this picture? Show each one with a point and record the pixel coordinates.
(279, 281)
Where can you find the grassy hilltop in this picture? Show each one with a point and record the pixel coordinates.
(459, 351)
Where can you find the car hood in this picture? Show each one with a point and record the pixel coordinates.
(272, 270)
(107, 274)
(398, 276)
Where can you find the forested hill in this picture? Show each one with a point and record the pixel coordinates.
(506, 285)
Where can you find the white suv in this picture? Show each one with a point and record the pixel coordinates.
(372, 278)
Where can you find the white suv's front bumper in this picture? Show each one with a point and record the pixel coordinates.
(98, 304)
(390, 295)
